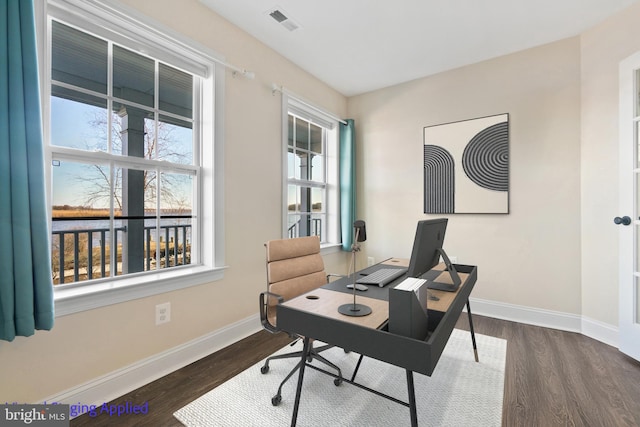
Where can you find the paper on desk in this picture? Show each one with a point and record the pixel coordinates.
(410, 284)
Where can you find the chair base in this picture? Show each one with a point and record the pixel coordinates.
(313, 354)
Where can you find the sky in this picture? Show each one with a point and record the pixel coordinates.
(72, 126)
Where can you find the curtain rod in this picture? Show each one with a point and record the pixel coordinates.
(236, 70)
(278, 88)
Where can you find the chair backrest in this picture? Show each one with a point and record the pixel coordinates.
(294, 267)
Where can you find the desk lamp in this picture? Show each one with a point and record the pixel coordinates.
(356, 310)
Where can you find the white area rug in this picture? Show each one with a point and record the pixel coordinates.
(460, 392)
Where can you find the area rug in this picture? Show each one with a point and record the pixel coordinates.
(460, 392)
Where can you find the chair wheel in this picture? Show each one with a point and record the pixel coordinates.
(275, 400)
(264, 369)
(337, 381)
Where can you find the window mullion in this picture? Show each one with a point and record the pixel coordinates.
(110, 98)
(73, 154)
(305, 183)
(113, 251)
(156, 109)
(158, 207)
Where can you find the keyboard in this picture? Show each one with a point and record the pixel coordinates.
(382, 277)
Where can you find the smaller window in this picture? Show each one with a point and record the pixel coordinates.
(311, 196)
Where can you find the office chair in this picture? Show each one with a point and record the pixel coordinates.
(294, 267)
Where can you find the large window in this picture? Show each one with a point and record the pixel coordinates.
(311, 175)
(122, 193)
(128, 154)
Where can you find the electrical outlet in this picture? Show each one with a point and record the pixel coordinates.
(370, 261)
(453, 259)
(163, 313)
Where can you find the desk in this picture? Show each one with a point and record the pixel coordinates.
(315, 316)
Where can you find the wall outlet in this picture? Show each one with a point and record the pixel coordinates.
(163, 313)
(370, 261)
(453, 259)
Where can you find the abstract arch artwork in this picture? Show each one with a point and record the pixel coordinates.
(466, 166)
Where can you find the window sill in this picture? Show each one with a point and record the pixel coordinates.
(330, 248)
(82, 298)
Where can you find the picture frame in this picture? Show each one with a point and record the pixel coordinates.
(466, 166)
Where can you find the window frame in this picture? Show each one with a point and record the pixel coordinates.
(135, 31)
(300, 108)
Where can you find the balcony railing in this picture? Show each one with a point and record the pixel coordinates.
(89, 256)
(315, 225)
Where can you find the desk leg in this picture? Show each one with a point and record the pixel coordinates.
(473, 335)
(303, 364)
(355, 371)
(412, 399)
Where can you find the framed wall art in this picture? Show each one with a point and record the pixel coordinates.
(466, 166)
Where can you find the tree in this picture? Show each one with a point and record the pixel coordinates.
(165, 147)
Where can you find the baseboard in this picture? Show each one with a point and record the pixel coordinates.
(127, 379)
(600, 331)
(122, 381)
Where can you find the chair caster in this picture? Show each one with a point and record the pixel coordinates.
(275, 400)
(264, 369)
(337, 381)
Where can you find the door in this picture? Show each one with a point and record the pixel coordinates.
(628, 220)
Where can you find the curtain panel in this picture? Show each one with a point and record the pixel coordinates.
(26, 287)
(347, 182)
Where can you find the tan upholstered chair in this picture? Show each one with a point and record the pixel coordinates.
(294, 267)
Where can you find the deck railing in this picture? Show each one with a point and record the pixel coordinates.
(315, 224)
(89, 256)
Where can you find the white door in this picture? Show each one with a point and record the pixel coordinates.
(628, 220)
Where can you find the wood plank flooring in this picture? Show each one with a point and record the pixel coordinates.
(552, 378)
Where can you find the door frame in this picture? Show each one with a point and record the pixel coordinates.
(629, 111)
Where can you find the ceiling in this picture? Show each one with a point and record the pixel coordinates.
(356, 46)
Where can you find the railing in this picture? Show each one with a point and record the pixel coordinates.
(315, 228)
(165, 250)
(81, 263)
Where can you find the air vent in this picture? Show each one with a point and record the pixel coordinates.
(281, 18)
(278, 16)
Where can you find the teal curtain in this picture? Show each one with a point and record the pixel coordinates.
(26, 288)
(347, 182)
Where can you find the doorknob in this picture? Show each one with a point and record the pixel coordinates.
(625, 220)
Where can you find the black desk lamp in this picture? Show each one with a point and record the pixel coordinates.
(356, 310)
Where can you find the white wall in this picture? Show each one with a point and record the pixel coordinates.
(557, 251)
(88, 345)
(530, 257)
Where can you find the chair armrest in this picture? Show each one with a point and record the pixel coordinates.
(263, 310)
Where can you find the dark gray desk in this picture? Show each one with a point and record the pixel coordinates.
(315, 316)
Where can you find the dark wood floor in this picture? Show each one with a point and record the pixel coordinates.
(552, 378)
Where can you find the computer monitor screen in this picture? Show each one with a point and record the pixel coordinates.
(426, 246)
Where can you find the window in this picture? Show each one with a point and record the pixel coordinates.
(129, 153)
(311, 194)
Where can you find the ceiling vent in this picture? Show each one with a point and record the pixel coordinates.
(281, 18)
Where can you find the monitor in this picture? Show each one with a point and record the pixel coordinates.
(426, 252)
(429, 238)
